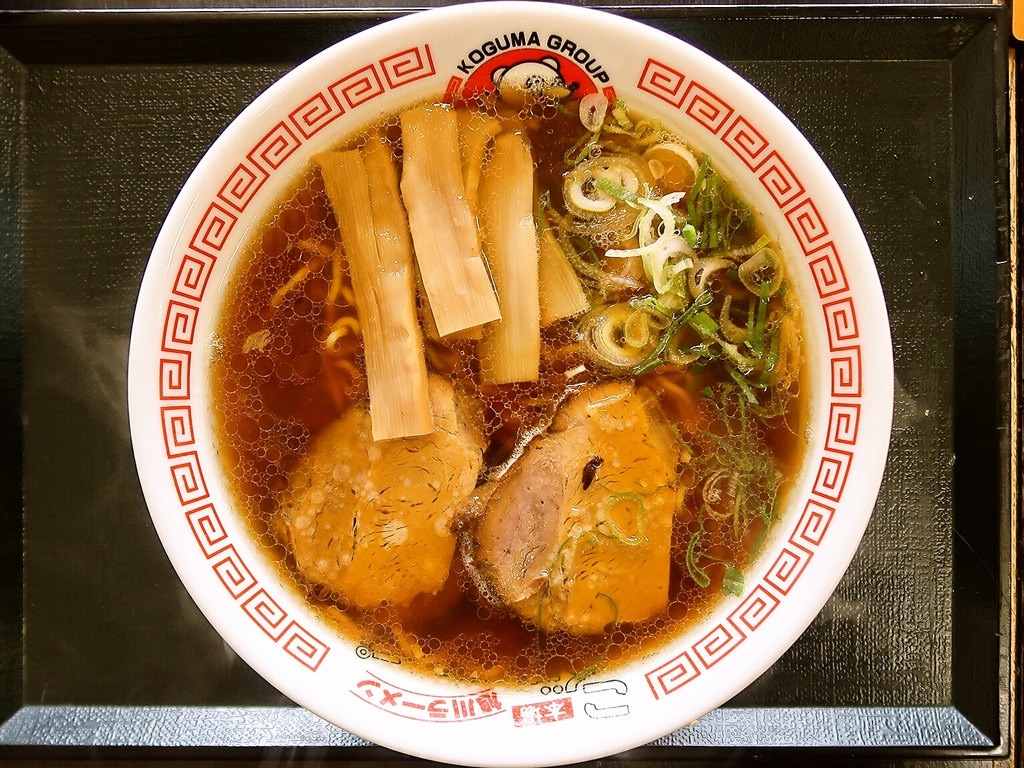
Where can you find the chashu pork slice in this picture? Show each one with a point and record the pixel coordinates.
(576, 537)
(371, 520)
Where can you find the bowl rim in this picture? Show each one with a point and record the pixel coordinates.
(872, 415)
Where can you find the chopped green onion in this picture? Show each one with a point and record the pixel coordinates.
(621, 115)
(691, 204)
(679, 439)
(755, 339)
(704, 324)
(654, 359)
(732, 582)
(762, 535)
(617, 534)
(771, 359)
(579, 151)
(621, 194)
(742, 383)
(698, 574)
(638, 302)
(715, 212)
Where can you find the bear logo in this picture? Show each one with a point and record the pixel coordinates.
(531, 80)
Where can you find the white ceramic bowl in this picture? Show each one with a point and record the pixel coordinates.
(846, 335)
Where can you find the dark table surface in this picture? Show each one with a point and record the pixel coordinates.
(102, 654)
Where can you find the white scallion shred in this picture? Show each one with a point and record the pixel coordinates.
(660, 208)
(574, 372)
(663, 249)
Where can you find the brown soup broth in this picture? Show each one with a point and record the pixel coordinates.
(276, 386)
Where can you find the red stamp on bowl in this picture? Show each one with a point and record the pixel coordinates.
(541, 712)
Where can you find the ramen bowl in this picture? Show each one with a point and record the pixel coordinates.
(847, 383)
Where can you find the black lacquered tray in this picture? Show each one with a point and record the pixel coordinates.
(103, 654)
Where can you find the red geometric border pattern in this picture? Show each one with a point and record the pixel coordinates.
(188, 479)
(846, 372)
(408, 66)
(213, 230)
(315, 113)
(303, 646)
(672, 675)
(175, 375)
(357, 88)
(808, 226)
(208, 530)
(812, 525)
(787, 568)
(705, 107)
(717, 644)
(833, 469)
(827, 270)
(268, 615)
(177, 426)
(843, 422)
(274, 148)
(754, 609)
(840, 323)
(242, 185)
(178, 335)
(662, 81)
(179, 326)
(193, 275)
(745, 142)
(754, 149)
(779, 180)
(233, 573)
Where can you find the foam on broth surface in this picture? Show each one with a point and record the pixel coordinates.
(289, 362)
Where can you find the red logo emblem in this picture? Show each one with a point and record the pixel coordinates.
(521, 65)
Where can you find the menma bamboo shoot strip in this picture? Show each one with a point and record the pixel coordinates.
(476, 129)
(454, 275)
(510, 348)
(561, 294)
(363, 190)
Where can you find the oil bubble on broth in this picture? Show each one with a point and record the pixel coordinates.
(524, 426)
